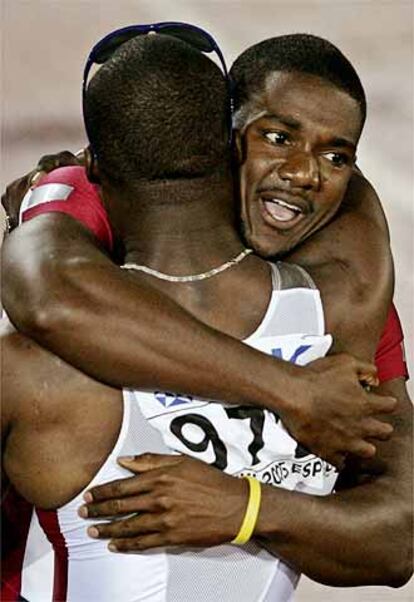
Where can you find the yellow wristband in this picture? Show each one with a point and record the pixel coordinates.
(252, 512)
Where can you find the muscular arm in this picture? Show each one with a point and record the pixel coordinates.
(363, 534)
(84, 308)
(55, 257)
(358, 536)
(90, 313)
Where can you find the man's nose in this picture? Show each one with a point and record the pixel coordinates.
(301, 168)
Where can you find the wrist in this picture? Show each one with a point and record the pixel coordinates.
(281, 388)
(251, 514)
(272, 516)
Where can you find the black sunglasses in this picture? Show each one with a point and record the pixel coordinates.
(191, 34)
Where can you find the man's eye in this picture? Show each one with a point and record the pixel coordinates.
(338, 159)
(277, 137)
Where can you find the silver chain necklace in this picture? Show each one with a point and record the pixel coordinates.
(191, 277)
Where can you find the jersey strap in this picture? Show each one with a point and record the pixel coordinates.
(290, 276)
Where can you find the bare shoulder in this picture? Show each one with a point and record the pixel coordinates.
(361, 230)
(363, 203)
(357, 237)
(31, 374)
(15, 350)
(58, 425)
(351, 262)
(21, 359)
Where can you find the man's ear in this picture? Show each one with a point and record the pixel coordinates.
(240, 151)
(91, 166)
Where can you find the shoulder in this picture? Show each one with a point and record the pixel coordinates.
(13, 343)
(32, 376)
(358, 229)
(362, 202)
(350, 260)
(15, 350)
(25, 365)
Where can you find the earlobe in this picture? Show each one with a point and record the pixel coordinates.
(91, 166)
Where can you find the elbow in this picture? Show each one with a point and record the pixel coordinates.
(40, 288)
(37, 317)
(32, 304)
(402, 578)
(400, 573)
(403, 569)
(41, 320)
(405, 546)
(381, 553)
(396, 563)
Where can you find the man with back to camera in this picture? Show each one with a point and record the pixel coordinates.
(34, 273)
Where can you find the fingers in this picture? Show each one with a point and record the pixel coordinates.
(35, 177)
(81, 156)
(381, 404)
(146, 462)
(372, 429)
(367, 373)
(368, 380)
(129, 527)
(363, 449)
(153, 463)
(135, 544)
(377, 429)
(120, 506)
(338, 460)
(48, 163)
(117, 489)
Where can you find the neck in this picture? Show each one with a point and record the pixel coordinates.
(177, 228)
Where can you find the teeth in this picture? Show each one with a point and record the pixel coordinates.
(281, 211)
(287, 205)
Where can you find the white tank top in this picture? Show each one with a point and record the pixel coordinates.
(239, 440)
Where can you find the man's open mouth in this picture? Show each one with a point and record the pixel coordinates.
(279, 212)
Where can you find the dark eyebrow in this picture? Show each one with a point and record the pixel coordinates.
(295, 124)
(337, 142)
(287, 120)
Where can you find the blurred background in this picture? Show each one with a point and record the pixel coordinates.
(44, 44)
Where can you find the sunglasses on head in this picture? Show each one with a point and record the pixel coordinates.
(191, 34)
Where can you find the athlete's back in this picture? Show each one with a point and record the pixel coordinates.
(59, 424)
(68, 445)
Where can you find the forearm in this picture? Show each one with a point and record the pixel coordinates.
(62, 290)
(134, 337)
(348, 539)
(358, 536)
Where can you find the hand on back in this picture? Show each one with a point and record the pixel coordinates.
(333, 414)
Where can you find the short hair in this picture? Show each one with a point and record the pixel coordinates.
(304, 53)
(157, 109)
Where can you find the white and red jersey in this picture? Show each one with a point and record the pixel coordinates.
(237, 439)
